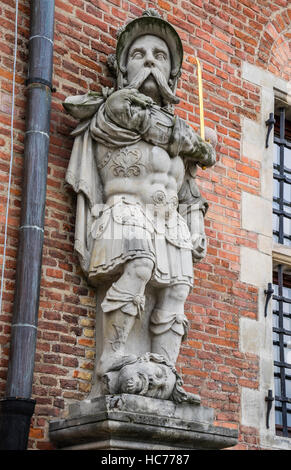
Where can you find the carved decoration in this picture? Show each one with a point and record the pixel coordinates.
(127, 163)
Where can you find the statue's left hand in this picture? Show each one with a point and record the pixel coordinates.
(197, 149)
(190, 144)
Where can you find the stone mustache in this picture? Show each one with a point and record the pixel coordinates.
(140, 215)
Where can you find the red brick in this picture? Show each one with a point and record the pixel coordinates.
(36, 433)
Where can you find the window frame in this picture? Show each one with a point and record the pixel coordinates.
(282, 369)
(282, 400)
(280, 174)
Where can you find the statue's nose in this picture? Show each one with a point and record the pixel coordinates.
(149, 60)
(149, 63)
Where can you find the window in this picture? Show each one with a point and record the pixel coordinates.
(282, 349)
(282, 180)
(282, 273)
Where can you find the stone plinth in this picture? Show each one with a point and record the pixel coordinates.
(140, 423)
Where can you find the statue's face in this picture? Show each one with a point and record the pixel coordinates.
(155, 380)
(148, 52)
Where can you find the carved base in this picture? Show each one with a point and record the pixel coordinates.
(135, 422)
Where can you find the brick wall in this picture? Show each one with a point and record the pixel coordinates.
(224, 33)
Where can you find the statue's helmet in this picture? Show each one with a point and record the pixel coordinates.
(150, 23)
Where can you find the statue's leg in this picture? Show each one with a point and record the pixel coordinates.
(168, 322)
(123, 301)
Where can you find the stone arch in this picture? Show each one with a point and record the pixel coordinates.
(274, 48)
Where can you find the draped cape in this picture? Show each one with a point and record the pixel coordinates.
(82, 172)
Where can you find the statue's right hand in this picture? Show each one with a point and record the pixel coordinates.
(129, 109)
(138, 99)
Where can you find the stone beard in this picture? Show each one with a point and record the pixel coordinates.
(139, 221)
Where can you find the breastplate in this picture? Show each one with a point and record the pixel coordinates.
(161, 128)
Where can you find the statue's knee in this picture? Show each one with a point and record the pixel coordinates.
(141, 268)
(179, 292)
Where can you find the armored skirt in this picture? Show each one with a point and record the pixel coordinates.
(126, 231)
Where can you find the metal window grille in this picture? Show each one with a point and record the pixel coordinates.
(282, 350)
(282, 183)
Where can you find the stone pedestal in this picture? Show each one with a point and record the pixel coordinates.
(138, 423)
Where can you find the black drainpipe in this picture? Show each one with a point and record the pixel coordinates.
(17, 408)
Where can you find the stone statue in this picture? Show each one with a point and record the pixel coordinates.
(140, 215)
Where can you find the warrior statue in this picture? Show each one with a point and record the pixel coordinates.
(140, 215)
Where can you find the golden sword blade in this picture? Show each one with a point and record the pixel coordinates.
(200, 92)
